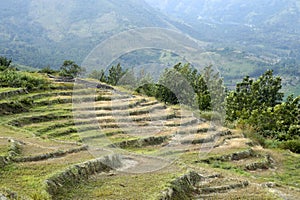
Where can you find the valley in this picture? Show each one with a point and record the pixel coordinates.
(149, 99)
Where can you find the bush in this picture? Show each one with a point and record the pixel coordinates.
(292, 145)
(17, 79)
(294, 130)
(48, 70)
(70, 69)
(210, 115)
(256, 137)
(4, 63)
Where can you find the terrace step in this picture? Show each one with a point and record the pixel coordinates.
(11, 92)
(50, 155)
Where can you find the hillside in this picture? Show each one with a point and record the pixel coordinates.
(255, 17)
(246, 37)
(94, 141)
(41, 33)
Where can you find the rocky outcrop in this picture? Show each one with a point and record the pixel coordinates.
(91, 84)
(223, 187)
(19, 122)
(4, 160)
(233, 156)
(211, 138)
(182, 187)
(12, 108)
(6, 194)
(266, 163)
(62, 79)
(2, 197)
(141, 142)
(83, 171)
(14, 150)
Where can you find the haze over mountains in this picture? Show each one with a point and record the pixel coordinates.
(246, 22)
(39, 33)
(245, 37)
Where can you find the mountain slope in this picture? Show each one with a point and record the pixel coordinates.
(40, 33)
(256, 13)
(245, 38)
(256, 35)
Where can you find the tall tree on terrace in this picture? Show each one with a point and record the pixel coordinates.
(115, 74)
(4, 63)
(253, 95)
(215, 88)
(70, 69)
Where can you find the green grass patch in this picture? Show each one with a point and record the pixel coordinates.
(27, 179)
(288, 169)
(121, 186)
(149, 150)
(8, 89)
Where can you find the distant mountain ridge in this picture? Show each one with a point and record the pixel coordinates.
(39, 33)
(262, 33)
(254, 12)
(244, 37)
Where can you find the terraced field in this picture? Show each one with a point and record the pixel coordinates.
(85, 142)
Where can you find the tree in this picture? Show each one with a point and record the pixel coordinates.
(99, 75)
(239, 103)
(203, 97)
(266, 89)
(281, 122)
(16, 79)
(48, 70)
(214, 91)
(186, 85)
(128, 79)
(145, 84)
(176, 85)
(4, 63)
(115, 74)
(70, 69)
(253, 95)
(165, 86)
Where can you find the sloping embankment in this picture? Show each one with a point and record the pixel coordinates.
(79, 172)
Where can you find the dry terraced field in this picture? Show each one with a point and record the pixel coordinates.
(87, 143)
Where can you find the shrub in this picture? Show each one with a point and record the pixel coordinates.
(70, 69)
(30, 81)
(210, 115)
(4, 63)
(294, 130)
(293, 145)
(256, 137)
(48, 70)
